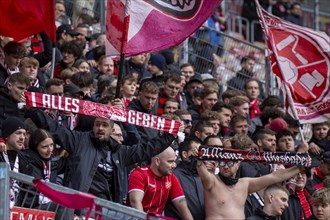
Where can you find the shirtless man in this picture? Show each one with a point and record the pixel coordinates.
(225, 195)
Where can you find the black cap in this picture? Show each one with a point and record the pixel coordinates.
(196, 78)
(10, 125)
(326, 157)
(65, 28)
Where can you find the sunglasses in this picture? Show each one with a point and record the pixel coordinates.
(186, 121)
(229, 163)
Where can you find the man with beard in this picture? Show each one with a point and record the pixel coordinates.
(186, 173)
(225, 194)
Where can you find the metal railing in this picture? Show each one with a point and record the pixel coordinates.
(26, 193)
(232, 47)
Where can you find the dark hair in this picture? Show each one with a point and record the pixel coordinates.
(180, 112)
(236, 118)
(52, 82)
(186, 65)
(247, 58)
(230, 93)
(20, 78)
(149, 87)
(104, 81)
(128, 77)
(219, 106)
(271, 101)
(201, 125)
(82, 79)
(37, 137)
(250, 80)
(73, 48)
(283, 133)
(208, 138)
(15, 49)
(173, 77)
(186, 144)
(260, 134)
(79, 62)
(98, 52)
(270, 113)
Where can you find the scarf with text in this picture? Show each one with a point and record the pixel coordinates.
(225, 154)
(40, 100)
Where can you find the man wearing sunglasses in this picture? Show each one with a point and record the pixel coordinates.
(225, 195)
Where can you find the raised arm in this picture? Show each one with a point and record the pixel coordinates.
(208, 179)
(256, 184)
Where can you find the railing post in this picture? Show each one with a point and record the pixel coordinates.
(4, 191)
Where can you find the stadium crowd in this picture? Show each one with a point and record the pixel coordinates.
(141, 167)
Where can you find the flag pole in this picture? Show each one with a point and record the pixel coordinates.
(122, 53)
(288, 92)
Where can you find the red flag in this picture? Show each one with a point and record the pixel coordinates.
(22, 18)
(301, 60)
(135, 27)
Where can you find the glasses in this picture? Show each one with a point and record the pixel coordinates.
(186, 121)
(229, 163)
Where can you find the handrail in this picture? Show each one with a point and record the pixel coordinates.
(98, 201)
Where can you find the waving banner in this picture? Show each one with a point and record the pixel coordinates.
(134, 27)
(22, 18)
(40, 100)
(225, 154)
(301, 60)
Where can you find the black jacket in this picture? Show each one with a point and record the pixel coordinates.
(260, 215)
(193, 189)
(86, 151)
(145, 134)
(36, 170)
(8, 106)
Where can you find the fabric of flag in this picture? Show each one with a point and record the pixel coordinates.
(301, 60)
(141, 26)
(22, 18)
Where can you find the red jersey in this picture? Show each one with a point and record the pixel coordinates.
(156, 189)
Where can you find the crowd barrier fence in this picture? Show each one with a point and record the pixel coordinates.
(26, 193)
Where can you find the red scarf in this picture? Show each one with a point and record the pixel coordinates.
(304, 203)
(254, 108)
(115, 113)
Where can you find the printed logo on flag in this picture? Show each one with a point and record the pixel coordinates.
(306, 73)
(180, 9)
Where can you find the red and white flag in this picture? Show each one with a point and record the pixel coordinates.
(22, 18)
(301, 60)
(141, 26)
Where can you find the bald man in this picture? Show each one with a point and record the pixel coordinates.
(149, 187)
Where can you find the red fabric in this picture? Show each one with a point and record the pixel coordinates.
(254, 109)
(304, 204)
(2, 140)
(115, 113)
(300, 58)
(171, 23)
(72, 201)
(22, 18)
(156, 189)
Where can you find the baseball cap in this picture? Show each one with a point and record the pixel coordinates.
(65, 28)
(196, 78)
(277, 125)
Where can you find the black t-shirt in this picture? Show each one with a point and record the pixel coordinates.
(102, 183)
